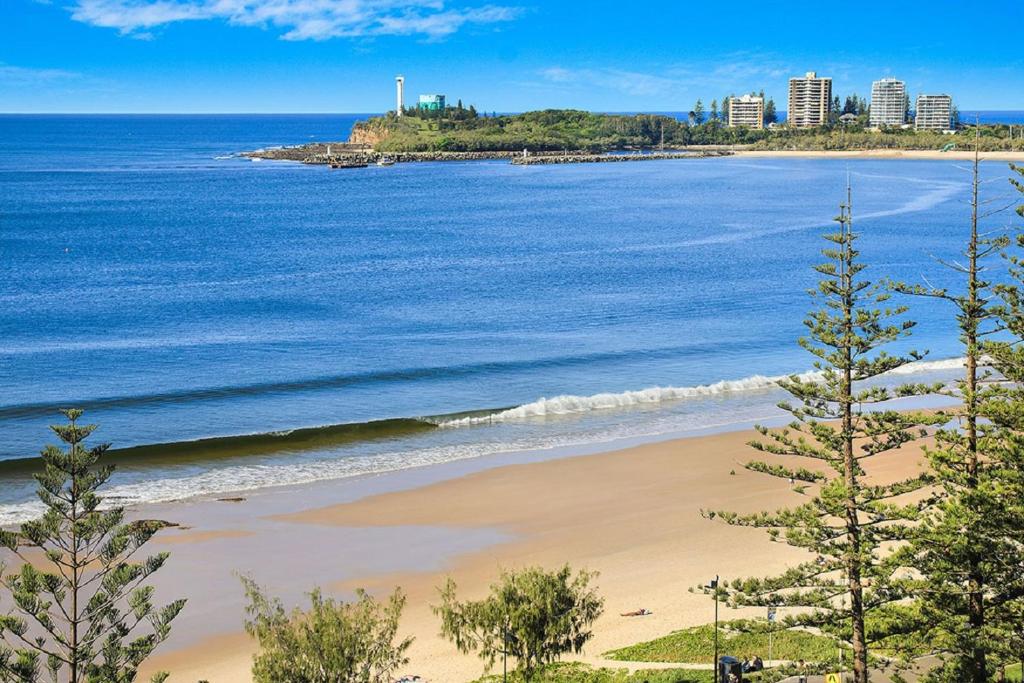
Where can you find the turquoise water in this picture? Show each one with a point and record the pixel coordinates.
(178, 292)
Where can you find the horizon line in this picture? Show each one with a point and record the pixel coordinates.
(365, 113)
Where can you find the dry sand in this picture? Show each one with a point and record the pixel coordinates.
(954, 155)
(634, 515)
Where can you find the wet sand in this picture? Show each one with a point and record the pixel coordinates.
(633, 514)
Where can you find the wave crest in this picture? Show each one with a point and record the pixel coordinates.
(568, 404)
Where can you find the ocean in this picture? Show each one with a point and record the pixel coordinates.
(233, 325)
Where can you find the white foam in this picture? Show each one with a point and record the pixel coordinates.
(567, 404)
(160, 487)
(929, 366)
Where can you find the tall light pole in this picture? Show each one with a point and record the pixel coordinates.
(714, 587)
(399, 95)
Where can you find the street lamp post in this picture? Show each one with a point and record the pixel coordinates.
(714, 587)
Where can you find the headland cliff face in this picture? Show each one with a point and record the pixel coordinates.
(366, 134)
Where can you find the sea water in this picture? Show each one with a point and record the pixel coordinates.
(273, 323)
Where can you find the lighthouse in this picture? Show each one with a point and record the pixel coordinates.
(400, 94)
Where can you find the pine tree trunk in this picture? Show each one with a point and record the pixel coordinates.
(853, 573)
(75, 568)
(975, 577)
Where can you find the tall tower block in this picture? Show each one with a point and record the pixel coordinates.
(400, 94)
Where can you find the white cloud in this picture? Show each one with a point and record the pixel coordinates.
(298, 19)
(629, 82)
(731, 73)
(20, 75)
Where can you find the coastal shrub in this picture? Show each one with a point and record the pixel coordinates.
(331, 642)
(696, 645)
(576, 672)
(533, 616)
(79, 606)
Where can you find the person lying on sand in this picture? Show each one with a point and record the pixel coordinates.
(639, 613)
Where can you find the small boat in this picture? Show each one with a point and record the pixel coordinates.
(384, 161)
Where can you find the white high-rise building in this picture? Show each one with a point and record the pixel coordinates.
(400, 94)
(747, 111)
(810, 100)
(934, 112)
(888, 103)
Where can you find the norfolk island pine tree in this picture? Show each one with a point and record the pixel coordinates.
(846, 523)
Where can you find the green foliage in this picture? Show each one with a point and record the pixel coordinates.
(961, 550)
(87, 617)
(575, 672)
(332, 642)
(846, 524)
(739, 639)
(555, 130)
(532, 615)
(856, 137)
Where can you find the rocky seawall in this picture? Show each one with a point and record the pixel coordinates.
(347, 154)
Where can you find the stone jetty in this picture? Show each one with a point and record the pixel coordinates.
(343, 154)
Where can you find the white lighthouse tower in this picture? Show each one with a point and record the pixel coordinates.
(400, 94)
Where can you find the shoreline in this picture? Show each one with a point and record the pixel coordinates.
(345, 155)
(632, 514)
(931, 154)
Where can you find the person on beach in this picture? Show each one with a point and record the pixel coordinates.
(801, 671)
(642, 612)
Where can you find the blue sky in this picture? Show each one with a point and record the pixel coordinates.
(502, 55)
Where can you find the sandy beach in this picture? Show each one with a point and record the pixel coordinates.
(634, 515)
(957, 154)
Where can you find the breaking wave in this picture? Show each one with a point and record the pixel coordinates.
(567, 404)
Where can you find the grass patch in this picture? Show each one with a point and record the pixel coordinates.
(697, 645)
(1013, 672)
(576, 672)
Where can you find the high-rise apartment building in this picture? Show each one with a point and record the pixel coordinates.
(888, 103)
(747, 111)
(810, 100)
(934, 112)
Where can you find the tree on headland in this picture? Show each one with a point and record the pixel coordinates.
(847, 522)
(332, 642)
(698, 112)
(82, 611)
(531, 615)
(714, 111)
(770, 116)
(726, 103)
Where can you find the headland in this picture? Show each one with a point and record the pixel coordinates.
(571, 136)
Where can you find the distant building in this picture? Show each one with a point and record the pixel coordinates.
(810, 101)
(747, 111)
(888, 103)
(934, 112)
(400, 94)
(432, 102)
